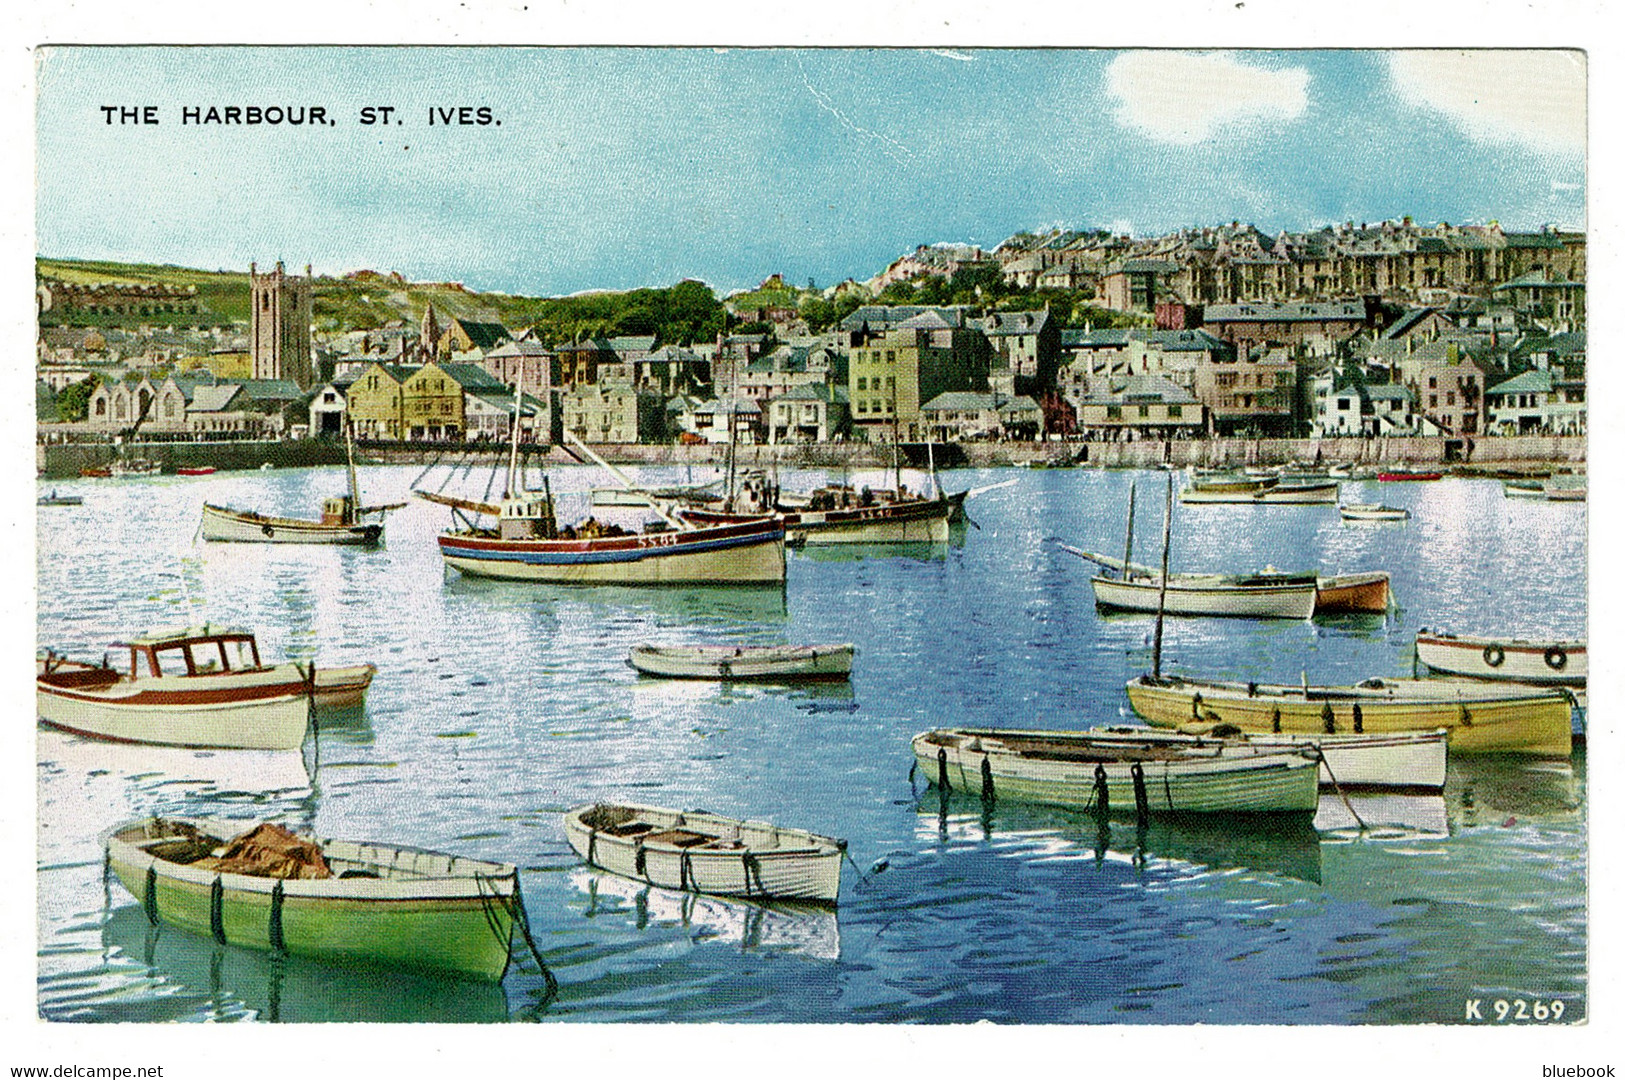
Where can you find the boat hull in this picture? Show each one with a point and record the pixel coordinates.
(1252, 601)
(224, 524)
(772, 864)
(1353, 594)
(458, 925)
(1373, 513)
(1315, 495)
(770, 664)
(344, 686)
(1558, 663)
(922, 522)
(751, 553)
(1537, 723)
(263, 710)
(1215, 782)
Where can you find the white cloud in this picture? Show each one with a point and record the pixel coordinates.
(1185, 98)
(1536, 98)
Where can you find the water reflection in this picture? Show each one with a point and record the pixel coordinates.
(1506, 790)
(188, 975)
(1284, 845)
(918, 552)
(781, 927)
(1381, 816)
(677, 604)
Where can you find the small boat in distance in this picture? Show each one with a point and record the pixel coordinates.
(1523, 489)
(1481, 718)
(337, 901)
(1276, 494)
(198, 686)
(1565, 489)
(766, 663)
(1165, 776)
(1372, 512)
(135, 467)
(344, 520)
(195, 470)
(1404, 475)
(53, 499)
(1558, 662)
(696, 851)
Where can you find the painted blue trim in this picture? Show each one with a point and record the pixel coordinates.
(576, 558)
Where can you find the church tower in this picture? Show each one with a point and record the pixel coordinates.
(429, 334)
(279, 326)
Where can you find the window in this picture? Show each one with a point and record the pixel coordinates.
(1175, 412)
(1343, 404)
(891, 356)
(863, 384)
(1433, 382)
(1114, 412)
(1145, 411)
(1450, 398)
(1433, 401)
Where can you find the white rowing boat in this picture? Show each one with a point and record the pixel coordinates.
(696, 851)
(340, 687)
(1558, 662)
(1378, 761)
(1166, 776)
(764, 662)
(348, 903)
(1281, 494)
(1372, 512)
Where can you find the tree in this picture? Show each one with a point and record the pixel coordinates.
(73, 402)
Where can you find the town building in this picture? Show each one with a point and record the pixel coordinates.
(279, 325)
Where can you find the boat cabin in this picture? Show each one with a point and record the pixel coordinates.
(339, 510)
(527, 517)
(204, 650)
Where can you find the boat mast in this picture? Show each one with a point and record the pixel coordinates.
(1162, 590)
(513, 448)
(1128, 544)
(354, 513)
(896, 443)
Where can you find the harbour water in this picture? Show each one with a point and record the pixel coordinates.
(499, 705)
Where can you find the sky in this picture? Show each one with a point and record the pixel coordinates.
(625, 167)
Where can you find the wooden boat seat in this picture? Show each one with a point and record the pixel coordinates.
(631, 828)
(682, 838)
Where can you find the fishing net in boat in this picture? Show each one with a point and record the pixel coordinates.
(269, 850)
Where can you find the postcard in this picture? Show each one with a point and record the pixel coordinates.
(777, 535)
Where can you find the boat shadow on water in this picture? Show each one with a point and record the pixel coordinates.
(1509, 790)
(685, 604)
(1284, 845)
(808, 930)
(918, 552)
(196, 977)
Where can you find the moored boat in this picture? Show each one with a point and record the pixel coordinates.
(1278, 494)
(344, 519)
(1372, 512)
(732, 662)
(199, 686)
(135, 467)
(338, 687)
(341, 901)
(1412, 761)
(1481, 718)
(1404, 475)
(838, 514)
(1565, 489)
(1560, 662)
(1268, 594)
(54, 499)
(1523, 489)
(696, 851)
(195, 470)
(1362, 593)
(340, 524)
(1166, 776)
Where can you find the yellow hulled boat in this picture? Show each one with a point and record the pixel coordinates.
(1480, 719)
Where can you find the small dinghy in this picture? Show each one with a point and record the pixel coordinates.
(53, 499)
(1372, 512)
(763, 662)
(344, 686)
(696, 851)
(1111, 771)
(331, 900)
